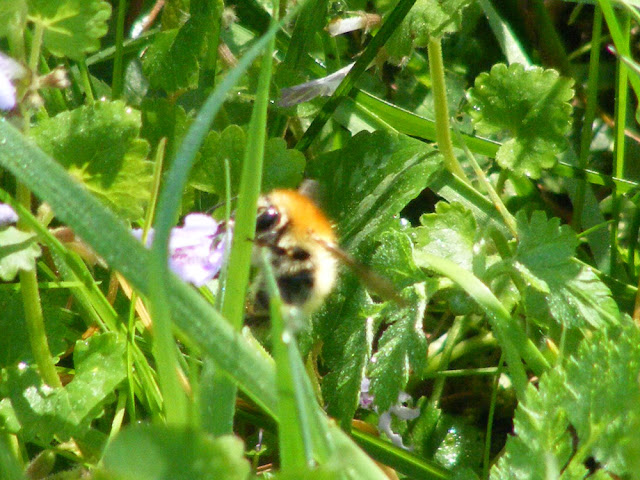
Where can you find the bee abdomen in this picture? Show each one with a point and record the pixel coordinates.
(296, 288)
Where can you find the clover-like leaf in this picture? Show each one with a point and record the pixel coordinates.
(427, 19)
(72, 28)
(531, 106)
(283, 168)
(98, 145)
(553, 281)
(160, 452)
(402, 348)
(18, 251)
(43, 412)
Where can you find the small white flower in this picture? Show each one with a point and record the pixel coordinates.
(321, 87)
(363, 21)
(399, 410)
(8, 215)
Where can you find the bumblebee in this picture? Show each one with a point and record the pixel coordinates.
(300, 240)
(304, 251)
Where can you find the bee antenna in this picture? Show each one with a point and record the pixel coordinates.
(219, 204)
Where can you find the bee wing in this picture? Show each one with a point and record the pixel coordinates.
(372, 280)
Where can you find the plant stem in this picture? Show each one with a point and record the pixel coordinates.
(589, 114)
(33, 313)
(441, 107)
(86, 81)
(118, 59)
(36, 45)
(619, 148)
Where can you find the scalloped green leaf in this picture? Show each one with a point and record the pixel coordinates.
(43, 412)
(553, 282)
(528, 106)
(402, 348)
(160, 452)
(72, 28)
(283, 168)
(98, 145)
(18, 251)
(427, 19)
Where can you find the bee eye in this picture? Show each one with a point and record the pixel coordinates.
(267, 219)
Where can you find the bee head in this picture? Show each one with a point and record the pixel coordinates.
(270, 222)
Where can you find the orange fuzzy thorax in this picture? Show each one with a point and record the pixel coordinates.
(305, 218)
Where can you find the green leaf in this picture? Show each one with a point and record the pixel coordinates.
(586, 408)
(18, 251)
(542, 445)
(163, 118)
(371, 180)
(394, 258)
(531, 106)
(171, 62)
(283, 168)
(65, 412)
(427, 19)
(167, 65)
(552, 280)
(98, 145)
(448, 233)
(459, 444)
(346, 329)
(159, 452)
(603, 396)
(14, 17)
(14, 341)
(71, 27)
(402, 348)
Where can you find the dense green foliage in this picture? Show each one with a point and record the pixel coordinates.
(477, 154)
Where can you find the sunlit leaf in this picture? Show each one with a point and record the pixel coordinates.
(18, 251)
(99, 146)
(402, 348)
(43, 412)
(427, 19)
(72, 28)
(553, 281)
(158, 452)
(531, 106)
(283, 167)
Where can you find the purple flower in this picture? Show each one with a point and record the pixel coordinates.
(8, 215)
(10, 70)
(197, 249)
